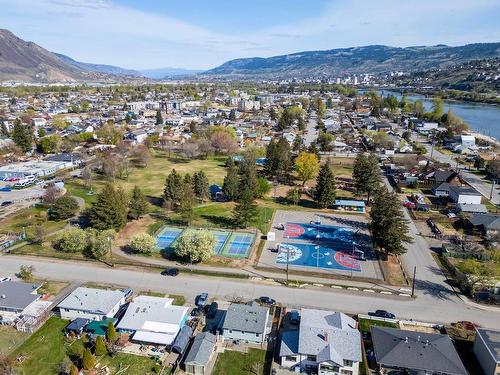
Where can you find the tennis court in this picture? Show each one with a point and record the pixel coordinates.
(239, 245)
(310, 255)
(221, 238)
(167, 236)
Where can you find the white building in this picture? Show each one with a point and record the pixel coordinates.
(37, 168)
(327, 342)
(153, 320)
(90, 303)
(487, 350)
(464, 195)
(246, 105)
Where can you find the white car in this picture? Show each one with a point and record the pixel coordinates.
(4, 279)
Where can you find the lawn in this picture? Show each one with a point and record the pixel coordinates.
(46, 349)
(365, 324)
(10, 339)
(27, 218)
(237, 363)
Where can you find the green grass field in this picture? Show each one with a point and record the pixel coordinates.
(365, 324)
(10, 339)
(46, 349)
(27, 218)
(237, 363)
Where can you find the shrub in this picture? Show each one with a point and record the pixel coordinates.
(73, 240)
(197, 245)
(144, 244)
(63, 208)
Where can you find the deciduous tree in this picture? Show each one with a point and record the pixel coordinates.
(307, 166)
(143, 243)
(196, 245)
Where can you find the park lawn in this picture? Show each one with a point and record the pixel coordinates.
(77, 188)
(45, 250)
(10, 338)
(237, 363)
(365, 324)
(27, 218)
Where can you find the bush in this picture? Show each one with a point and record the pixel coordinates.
(63, 208)
(73, 240)
(100, 346)
(144, 244)
(198, 246)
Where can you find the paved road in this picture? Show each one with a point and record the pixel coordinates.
(431, 307)
(481, 185)
(312, 133)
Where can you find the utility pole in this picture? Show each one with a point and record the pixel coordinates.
(492, 188)
(413, 282)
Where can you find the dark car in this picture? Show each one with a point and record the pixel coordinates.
(201, 300)
(382, 314)
(6, 203)
(212, 310)
(170, 272)
(267, 300)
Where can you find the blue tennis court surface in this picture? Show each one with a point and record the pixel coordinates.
(239, 245)
(167, 236)
(310, 255)
(340, 238)
(221, 238)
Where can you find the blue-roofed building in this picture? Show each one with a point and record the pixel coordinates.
(350, 205)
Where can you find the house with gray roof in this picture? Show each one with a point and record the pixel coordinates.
(326, 342)
(247, 323)
(485, 224)
(15, 298)
(415, 352)
(487, 350)
(200, 354)
(91, 303)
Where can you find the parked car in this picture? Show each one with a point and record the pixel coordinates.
(267, 301)
(409, 204)
(201, 300)
(6, 203)
(170, 272)
(294, 317)
(4, 279)
(6, 188)
(212, 310)
(382, 314)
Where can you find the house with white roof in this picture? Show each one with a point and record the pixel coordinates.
(153, 320)
(326, 342)
(91, 303)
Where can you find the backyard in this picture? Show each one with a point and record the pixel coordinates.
(238, 363)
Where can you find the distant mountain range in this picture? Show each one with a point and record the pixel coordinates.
(102, 68)
(355, 60)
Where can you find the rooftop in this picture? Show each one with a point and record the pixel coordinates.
(491, 338)
(201, 349)
(100, 301)
(17, 295)
(248, 318)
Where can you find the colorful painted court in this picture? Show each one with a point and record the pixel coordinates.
(229, 244)
(320, 246)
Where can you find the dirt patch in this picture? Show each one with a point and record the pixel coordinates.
(131, 229)
(393, 271)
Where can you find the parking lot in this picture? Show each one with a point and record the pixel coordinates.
(20, 198)
(326, 243)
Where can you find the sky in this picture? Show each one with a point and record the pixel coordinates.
(201, 34)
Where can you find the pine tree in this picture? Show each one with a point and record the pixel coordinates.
(366, 174)
(186, 201)
(109, 211)
(231, 181)
(111, 335)
(388, 225)
(200, 185)
(325, 186)
(138, 205)
(173, 188)
(22, 135)
(88, 359)
(246, 208)
(248, 174)
(159, 118)
(100, 346)
(278, 158)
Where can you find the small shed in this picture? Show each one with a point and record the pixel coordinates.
(182, 340)
(350, 205)
(76, 326)
(200, 354)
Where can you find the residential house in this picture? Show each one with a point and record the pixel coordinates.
(136, 136)
(91, 303)
(441, 190)
(439, 176)
(16, 298)
(153, 320)
(247, 323)
(464, 195)
(326, 342)
(415, 352)
(468, 140)
(485, 224)
(487, 350)
(200, 354)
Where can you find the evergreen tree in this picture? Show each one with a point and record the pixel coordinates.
(245, 209)
(63, 208)
(100, 346)
(186, 202)
(248, 175)
(22, 135)
(173, 188)
(366, 174)
(111, 335)
(231, 181)
(325, 186)
(200, 185)
(88, 359)
(4, 131)
(109, 211)
(389, 227)
(232, 115)
(138, 205)
(278, 158)
(159, 118)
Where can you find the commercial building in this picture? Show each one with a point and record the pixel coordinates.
(487, 350)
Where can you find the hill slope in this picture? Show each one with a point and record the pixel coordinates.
(99, 68)
(355, 60)
(27, 61)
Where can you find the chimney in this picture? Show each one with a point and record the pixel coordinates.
(426, 342)
(406, 339)
(325, 336)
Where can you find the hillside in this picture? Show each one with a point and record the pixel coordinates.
(374, 59)
(100, 68)
(27, 61)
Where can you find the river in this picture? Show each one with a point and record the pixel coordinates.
(482, 118)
